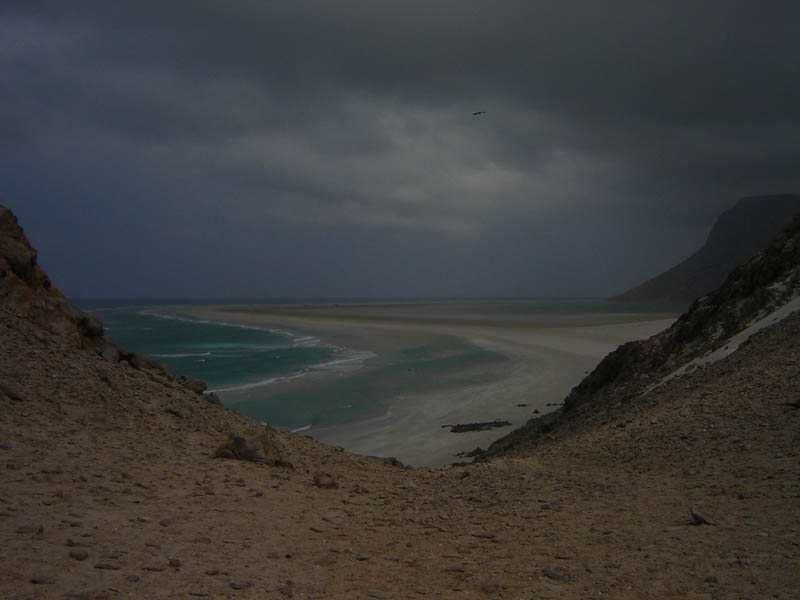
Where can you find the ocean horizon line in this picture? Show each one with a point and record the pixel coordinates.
(334, 299)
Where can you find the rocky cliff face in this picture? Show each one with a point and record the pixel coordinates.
(26, 291)
(767, 281)
(738, 234)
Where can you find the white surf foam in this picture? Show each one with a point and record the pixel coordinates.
(182, 355)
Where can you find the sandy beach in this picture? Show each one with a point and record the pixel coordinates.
(547, 354)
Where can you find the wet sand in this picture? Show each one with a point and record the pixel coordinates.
(548, 354)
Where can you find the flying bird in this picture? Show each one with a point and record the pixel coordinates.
(478, 112)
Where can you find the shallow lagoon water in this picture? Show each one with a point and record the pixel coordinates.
(289, 378)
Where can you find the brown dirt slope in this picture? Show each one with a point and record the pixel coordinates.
(109, 488)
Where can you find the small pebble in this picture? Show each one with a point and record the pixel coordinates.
(240, 586)
(28, 529)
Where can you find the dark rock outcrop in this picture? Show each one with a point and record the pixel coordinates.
(26, 289)
(738, 233)
(238, 448)
(482, 426)
(767, 281)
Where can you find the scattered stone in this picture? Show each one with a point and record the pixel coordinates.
(42, 580)
(11, 391)
(325, 480)
(213, 572)
(132, 578)
(174, 411)
(700, 518)
(142, 362)
(175, 563)
(380, 595)
(153, 568)
(30, 529)
(555, 575)
(213, 398)
(110, 354)
(195, 385)
(79, 554)
(92, 326)
(394, 462)
(107, 566)
(165, 522)
(237, 585)
(237, 447)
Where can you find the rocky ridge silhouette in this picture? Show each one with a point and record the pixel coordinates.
(738, 233)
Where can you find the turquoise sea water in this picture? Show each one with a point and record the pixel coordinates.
(223, 355)
(290, 379)
(296, 381)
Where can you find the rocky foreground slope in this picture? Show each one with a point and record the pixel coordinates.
(121, 482)
(737, 234)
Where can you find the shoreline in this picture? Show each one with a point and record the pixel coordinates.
(546, 356)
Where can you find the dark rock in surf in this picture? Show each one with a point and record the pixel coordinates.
(464, 427)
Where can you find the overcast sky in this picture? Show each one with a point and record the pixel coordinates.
(254, 148)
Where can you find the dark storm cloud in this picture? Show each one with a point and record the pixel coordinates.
(346, 129)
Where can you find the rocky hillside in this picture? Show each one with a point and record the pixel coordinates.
(738, 233)
(752, 291)
(27, 291)
(118, 481)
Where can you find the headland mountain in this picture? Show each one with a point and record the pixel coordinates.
(657, 479)
(738, 233)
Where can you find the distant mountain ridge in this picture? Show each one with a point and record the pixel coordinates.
(739, 233)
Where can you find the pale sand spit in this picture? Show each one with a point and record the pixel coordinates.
(548, 355)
